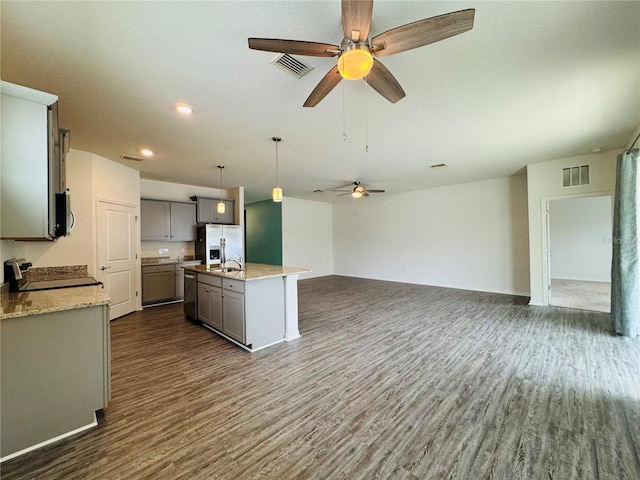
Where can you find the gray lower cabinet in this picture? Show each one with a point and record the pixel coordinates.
(251, 313)
(210, 301)
(55, 375)
(179, 281)
(158, 283)
(233, 315)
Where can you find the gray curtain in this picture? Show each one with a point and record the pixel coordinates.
(624, 266)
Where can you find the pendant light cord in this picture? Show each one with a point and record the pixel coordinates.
(277, 183)
(344, 122)
(366, 118)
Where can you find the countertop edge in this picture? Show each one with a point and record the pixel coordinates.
(257, 276)
(82, 297)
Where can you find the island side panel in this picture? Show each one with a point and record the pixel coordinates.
(265, 312)
(291, 307)
(53, 368)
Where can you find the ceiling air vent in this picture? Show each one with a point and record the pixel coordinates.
(293, 65)
(439, 165)
(576, 176)
(131, 157)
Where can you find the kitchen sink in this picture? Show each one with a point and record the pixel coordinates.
(226, 270)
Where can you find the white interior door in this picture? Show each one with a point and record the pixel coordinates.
(116, 255)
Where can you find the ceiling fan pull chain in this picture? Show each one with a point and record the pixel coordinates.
(344, 122)
(366, 122)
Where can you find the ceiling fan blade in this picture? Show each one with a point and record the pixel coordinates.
(422, 32)
(365, 194)
(343, 194)
(374, 191)
(384, 83)
(356, 17)
(330, 80)
(295, 47)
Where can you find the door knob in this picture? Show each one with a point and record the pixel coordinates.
(103, 267)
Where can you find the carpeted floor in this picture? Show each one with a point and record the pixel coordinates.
(594, 296)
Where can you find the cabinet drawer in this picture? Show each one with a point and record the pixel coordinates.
(210, 280)
(235, 285)
(158, 268)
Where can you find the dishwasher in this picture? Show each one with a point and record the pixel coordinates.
(190, 295)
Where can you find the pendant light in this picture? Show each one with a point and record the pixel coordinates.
(276, 193)
(220, 208)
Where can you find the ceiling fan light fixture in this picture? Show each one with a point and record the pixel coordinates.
(355, 62)
(356, 194)
(184, 109)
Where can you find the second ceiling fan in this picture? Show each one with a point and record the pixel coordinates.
(357, 191)
(356, 54)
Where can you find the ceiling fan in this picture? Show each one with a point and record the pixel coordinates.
(357, 191)
(356, 54)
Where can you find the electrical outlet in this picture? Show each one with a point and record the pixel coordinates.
(163, 251)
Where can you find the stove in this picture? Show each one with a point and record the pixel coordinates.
(61, 283)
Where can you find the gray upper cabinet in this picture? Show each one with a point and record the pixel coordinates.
(207, 211)
(155, 220)
(167, 221)
(183, 222)
(28, 144)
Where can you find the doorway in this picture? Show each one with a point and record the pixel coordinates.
(580, 253)
(116, 256)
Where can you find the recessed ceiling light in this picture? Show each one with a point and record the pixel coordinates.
(184, 109)
(147, 152)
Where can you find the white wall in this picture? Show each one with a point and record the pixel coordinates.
(471, 236)
(544, 185)
(177, 192)
(307, 236)
(580, 238)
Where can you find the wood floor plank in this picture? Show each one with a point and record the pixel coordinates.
(388, 380)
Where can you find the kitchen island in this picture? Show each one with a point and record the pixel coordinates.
(254, 307)
(54, 352)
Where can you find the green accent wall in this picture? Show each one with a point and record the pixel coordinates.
(263, 223)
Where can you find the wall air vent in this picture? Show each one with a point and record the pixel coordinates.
(576, 176)
(439, 165)
(131, 157)
(293, 65)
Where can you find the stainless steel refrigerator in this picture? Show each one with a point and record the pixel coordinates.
(210, 246)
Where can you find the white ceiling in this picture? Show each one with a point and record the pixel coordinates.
(533, 81)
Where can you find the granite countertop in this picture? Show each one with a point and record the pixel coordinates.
(251, 271)
(149, 261)
(22, 304)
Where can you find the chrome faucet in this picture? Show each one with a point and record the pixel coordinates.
(239, 262)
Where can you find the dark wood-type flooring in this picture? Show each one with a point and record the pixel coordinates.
(388, 380)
